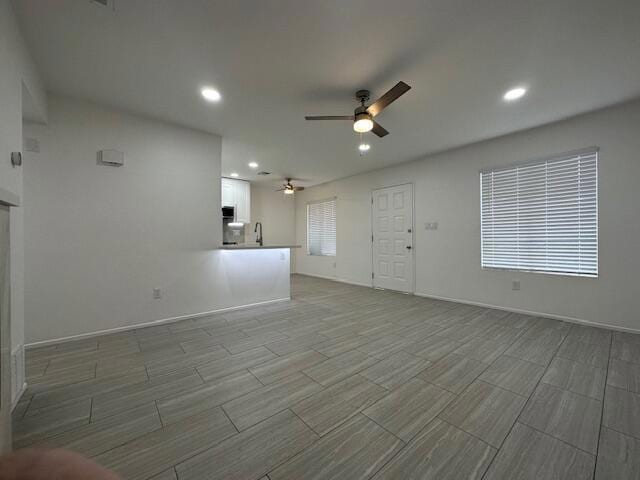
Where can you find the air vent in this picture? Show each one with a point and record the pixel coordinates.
(264, 173)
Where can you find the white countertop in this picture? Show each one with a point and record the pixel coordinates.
(254, 246)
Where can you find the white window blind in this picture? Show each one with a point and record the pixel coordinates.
(542, 216)
(321, 227)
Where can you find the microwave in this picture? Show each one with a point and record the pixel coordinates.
(228, 213)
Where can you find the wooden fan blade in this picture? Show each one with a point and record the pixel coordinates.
(329, 117)
(391, 96)
(298, 189)
(281, 190)
(379, 130)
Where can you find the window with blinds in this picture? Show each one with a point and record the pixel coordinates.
(542, 216)
(321, 228)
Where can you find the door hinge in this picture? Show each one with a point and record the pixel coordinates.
(372, 274)
(372, 238)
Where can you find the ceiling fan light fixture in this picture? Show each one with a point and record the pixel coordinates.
(289, 190)
(363, 123)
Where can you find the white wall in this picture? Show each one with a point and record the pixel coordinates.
(19, 81)
(447, 192)
(99, 238)
(276, 211)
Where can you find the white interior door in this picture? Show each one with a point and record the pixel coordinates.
(392, 216)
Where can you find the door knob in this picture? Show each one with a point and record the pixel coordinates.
(408, 247)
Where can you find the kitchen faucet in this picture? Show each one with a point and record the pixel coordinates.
(259, 237)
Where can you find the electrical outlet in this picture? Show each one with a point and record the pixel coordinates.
(157, 293)
(515, 285)
(431, 226)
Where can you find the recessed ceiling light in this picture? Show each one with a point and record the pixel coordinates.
(211, 94)
(234, 174)
(364, 147)
(515, 94)
(253, 164)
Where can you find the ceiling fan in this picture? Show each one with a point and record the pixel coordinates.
(363, 117)
(288, 188)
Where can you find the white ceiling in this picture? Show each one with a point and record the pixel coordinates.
(275, 61)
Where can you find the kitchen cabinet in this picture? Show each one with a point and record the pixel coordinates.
(237, 194)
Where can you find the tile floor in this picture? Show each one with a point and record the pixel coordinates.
(344, 382)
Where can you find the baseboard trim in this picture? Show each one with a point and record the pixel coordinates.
(564, 318)
(152, 323)
(341, 280)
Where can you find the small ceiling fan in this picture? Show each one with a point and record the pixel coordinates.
(288, 188)
(363, 117)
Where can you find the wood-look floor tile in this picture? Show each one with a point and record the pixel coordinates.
(85, 389)
(129, 396)
(378, 331)
(166, 366)
(576, 377)
(501, 333)
(622, 411)
(528, 454)
(624, 375)
(386, 346)
(283, 347)
(482, 349)
(54, 421)
(407, 409)
(485, 411)
(340, 367)
(618, 456)
(513, 374)
(329, 408)
(453, 372)
(206, 342)
(626, 351)
(244, 344)
(252, 453)
(205, 396)
(36, 369)
(336, 346)
(264, 402)
(354, 451)
(61, 378)
(235, 363)
(627, 337)
(420, 331)
(433, 348)
(534, 348)
(395, 370)
(565, 415)
(103, 435)
(596, 355)
(440, 452)
(591, 335)
(166, 475)
(159, 450)
(282, 367)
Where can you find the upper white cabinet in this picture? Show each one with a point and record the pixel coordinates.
(237, 194)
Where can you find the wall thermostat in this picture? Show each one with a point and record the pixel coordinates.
(16, 159)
